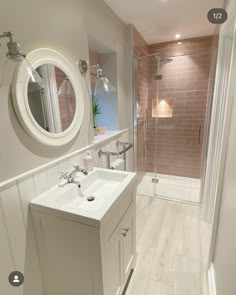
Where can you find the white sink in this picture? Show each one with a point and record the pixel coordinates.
(101, 185)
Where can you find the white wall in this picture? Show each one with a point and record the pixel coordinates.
(224, 259)
(224, 238)
(65, 27)
(109, 103)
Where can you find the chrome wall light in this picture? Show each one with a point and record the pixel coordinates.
(103, 85)
(66, 89)
(14, 54)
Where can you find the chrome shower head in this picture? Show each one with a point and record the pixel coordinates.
(166, 60)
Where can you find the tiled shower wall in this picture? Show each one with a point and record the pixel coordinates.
(176, 148)
(173, 144)
(66, 103)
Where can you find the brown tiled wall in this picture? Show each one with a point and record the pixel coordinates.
(176, 147)
(66, 104)
(173, 143)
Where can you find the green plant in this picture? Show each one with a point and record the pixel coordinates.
(96, 108)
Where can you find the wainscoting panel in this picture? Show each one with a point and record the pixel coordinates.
(6, 265)
(15, 224)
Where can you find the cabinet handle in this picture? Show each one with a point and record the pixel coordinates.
(125, 231)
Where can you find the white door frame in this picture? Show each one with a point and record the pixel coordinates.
(221, 117)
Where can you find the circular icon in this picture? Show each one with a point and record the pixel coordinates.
(16, 278)
(217, 16)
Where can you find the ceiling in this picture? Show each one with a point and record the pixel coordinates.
(160, 20)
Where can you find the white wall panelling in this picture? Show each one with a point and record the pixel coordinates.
(211, 281)
(41, 182)
(15, 224)
(6, 258)
(18, 248)
(65, 161)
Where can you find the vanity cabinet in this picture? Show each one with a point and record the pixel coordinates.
(119, 254)
(88, 258)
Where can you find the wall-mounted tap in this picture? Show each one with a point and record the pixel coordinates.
(70, 177)
(80, 169)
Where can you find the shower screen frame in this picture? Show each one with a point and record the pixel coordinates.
(204, 136)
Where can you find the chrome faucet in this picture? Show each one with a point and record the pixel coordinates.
(70, 177)
(80, 169)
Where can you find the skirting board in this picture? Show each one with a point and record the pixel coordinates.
(211, 281)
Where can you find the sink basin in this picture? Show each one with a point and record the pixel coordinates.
(98, 191)
(97, 186)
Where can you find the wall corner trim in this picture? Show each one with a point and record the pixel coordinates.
(211, 281)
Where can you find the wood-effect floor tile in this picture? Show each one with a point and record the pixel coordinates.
(154, 288)
(172, 246)
(140, 276)
(188, 283)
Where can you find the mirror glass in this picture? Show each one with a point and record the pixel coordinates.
(52, 107)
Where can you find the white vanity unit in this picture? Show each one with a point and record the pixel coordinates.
(87, 247)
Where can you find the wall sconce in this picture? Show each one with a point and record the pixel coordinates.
(103, 85)
(14, 54)
(66, 88)
(162, 108)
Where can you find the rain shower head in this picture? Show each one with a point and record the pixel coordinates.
(158, 57)
(165, 60)
(162, 60)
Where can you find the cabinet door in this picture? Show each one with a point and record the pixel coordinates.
(113, 268)
(129, 251)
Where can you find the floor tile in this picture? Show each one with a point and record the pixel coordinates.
(140, 276)
(172, 246)
(154, 288)
(186, 264)
(187, 283)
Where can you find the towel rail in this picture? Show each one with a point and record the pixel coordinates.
(126, 146)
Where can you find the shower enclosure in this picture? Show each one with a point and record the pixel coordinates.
(173, 106)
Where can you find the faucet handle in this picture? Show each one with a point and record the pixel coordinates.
(80, 169)
(64, 175)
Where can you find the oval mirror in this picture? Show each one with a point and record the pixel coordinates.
(51, 114)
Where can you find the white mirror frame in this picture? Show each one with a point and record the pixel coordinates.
(20, 97)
